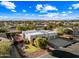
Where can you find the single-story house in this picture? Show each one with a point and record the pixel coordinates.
(32, 34)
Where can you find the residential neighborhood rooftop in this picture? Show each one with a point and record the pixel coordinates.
(37, 32)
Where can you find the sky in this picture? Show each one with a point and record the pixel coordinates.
(39, 10)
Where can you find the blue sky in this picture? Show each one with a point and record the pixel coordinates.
(45, 10)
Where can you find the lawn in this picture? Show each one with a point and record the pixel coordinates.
(31, 49)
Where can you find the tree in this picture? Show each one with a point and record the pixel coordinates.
(40, 42)
(3, 30)
(45, 28)
(60, 30)
(76, 24)
(23, 28)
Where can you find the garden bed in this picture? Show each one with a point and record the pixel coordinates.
(32, 51)
(36, 53)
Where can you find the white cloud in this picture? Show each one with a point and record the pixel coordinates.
(49, 15)
(75, 6)
(63, 12)
(43, 11)
(8, 5)
(24, 10)
(69, 12)
(45, 8)
(26, 14)
(52, 14)
(48, 7)
(32, 15)
(13, 10)
(70, 8)
(5, 16)
(39, 7)
(1, 16)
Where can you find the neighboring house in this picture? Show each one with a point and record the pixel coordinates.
(32, 34)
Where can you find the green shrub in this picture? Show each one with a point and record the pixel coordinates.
(60, 30)
(26, 41)
(68, 31)
(3, 30)
(5, 47)
(40, 42)
(23, 28)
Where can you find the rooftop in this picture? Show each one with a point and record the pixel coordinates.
(38, 32)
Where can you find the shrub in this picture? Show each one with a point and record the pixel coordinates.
(5, 47)
(26, 41)
(3, 30)
(68, 31)
(40, 42)
(60, 30)
(23, 28)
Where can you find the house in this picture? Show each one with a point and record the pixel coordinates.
(32, 34)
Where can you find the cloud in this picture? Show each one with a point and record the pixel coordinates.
(8, 5)
(4, 16)
(24, 10)
(39, 7)
(13, 10)
(70, 8)
(55, 16)
(1, 16)
(69, 12)
(75, 6)
(63, 12)
(45, 8)
(50, 15)
(48, 7)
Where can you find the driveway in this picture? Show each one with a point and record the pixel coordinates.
(60, 42)
(74, 49)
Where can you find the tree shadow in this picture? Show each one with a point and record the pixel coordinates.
(63, 54)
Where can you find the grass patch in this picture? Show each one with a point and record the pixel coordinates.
(31, 48)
